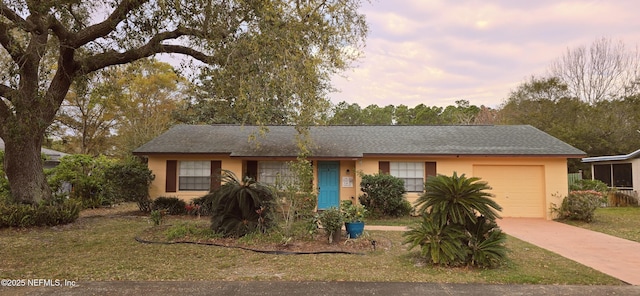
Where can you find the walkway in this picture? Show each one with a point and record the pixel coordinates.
(619, 258)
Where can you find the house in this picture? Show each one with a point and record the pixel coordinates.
(617, 170)
(52, 156)
(526, 167)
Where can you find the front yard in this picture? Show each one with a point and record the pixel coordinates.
(623, 222)
(100, 246)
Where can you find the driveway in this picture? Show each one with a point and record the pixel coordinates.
(614, 256)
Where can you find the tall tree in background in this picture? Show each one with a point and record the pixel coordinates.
(603, 71)
(259, 53)
(148, 92)
(88, 115)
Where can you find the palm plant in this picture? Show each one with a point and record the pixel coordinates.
(239, 208)
(440, 244)
(455, 199)
(458, 225)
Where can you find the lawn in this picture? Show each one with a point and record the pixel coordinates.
(102, 247)
(623, 222)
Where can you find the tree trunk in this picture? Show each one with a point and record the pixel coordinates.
(24, 168)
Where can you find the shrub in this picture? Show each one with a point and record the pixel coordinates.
(579, 205)
(86, 175)
(172, 205)
(331, 221)
(204, 204)
(24, 215)
(239, 208)
(384, 195)
(584, 184)
(99, 181)
(128, 180)
(458, 223)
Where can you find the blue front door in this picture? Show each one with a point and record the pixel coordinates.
(328, 184)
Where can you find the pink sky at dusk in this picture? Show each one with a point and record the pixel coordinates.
(437, 52)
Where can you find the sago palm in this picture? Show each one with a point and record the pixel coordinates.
(239, 208)
(455, 199)
(440, 244)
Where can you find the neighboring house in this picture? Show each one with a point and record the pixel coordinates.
(617, 171)
(526, 167)
(52, 156)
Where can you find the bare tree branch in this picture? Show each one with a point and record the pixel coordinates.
(108, 25)
(7, 92)
(152, 47)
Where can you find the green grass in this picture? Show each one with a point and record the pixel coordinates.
(400, 221)
(103, 248)
(623, 222)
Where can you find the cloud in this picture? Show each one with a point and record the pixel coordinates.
(436, 52)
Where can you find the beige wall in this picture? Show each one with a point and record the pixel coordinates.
(554, 173)
(157, 165)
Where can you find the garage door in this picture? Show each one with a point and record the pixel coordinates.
(518, 189)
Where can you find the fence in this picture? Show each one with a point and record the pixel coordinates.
(574, 177)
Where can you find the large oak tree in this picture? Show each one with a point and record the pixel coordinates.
(279, 51)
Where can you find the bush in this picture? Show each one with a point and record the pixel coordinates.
(584, 184)
(384, 196)
(172, 205)
(99, 181)
(204, 204)
(579, 205)
(331, 221)
(23, 215)
(458, 223)
(128, 180)
(240, 208)
(86, 175)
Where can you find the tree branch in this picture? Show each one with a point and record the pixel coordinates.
(7, 92)
(108, 25)
(10, 44)
(152, 47)
(15, 18)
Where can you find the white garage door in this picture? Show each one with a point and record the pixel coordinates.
(518, 189)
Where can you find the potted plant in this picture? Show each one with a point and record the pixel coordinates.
(331, 220)
(354, 214)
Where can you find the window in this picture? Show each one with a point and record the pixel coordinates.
(622, 175)
(275, 173)
(412, 173)
(194, 175)
(614, 175)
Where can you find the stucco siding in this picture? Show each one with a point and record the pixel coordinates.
(537, 182)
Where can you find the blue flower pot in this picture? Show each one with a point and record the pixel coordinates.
(354, 229)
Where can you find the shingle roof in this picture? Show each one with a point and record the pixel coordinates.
(52, 155)
(356, 141)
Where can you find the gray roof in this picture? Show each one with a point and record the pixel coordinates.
(632, 155)
(52, 155)
(357, 141)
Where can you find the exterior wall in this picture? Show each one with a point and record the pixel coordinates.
(348, 190)
(555, 183)
(157, 165)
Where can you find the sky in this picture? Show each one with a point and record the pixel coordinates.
(437, 52)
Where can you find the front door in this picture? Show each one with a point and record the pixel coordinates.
(328, 184)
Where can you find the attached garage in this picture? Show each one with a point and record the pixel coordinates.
(519, 189)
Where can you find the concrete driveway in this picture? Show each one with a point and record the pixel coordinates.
(614, 256)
